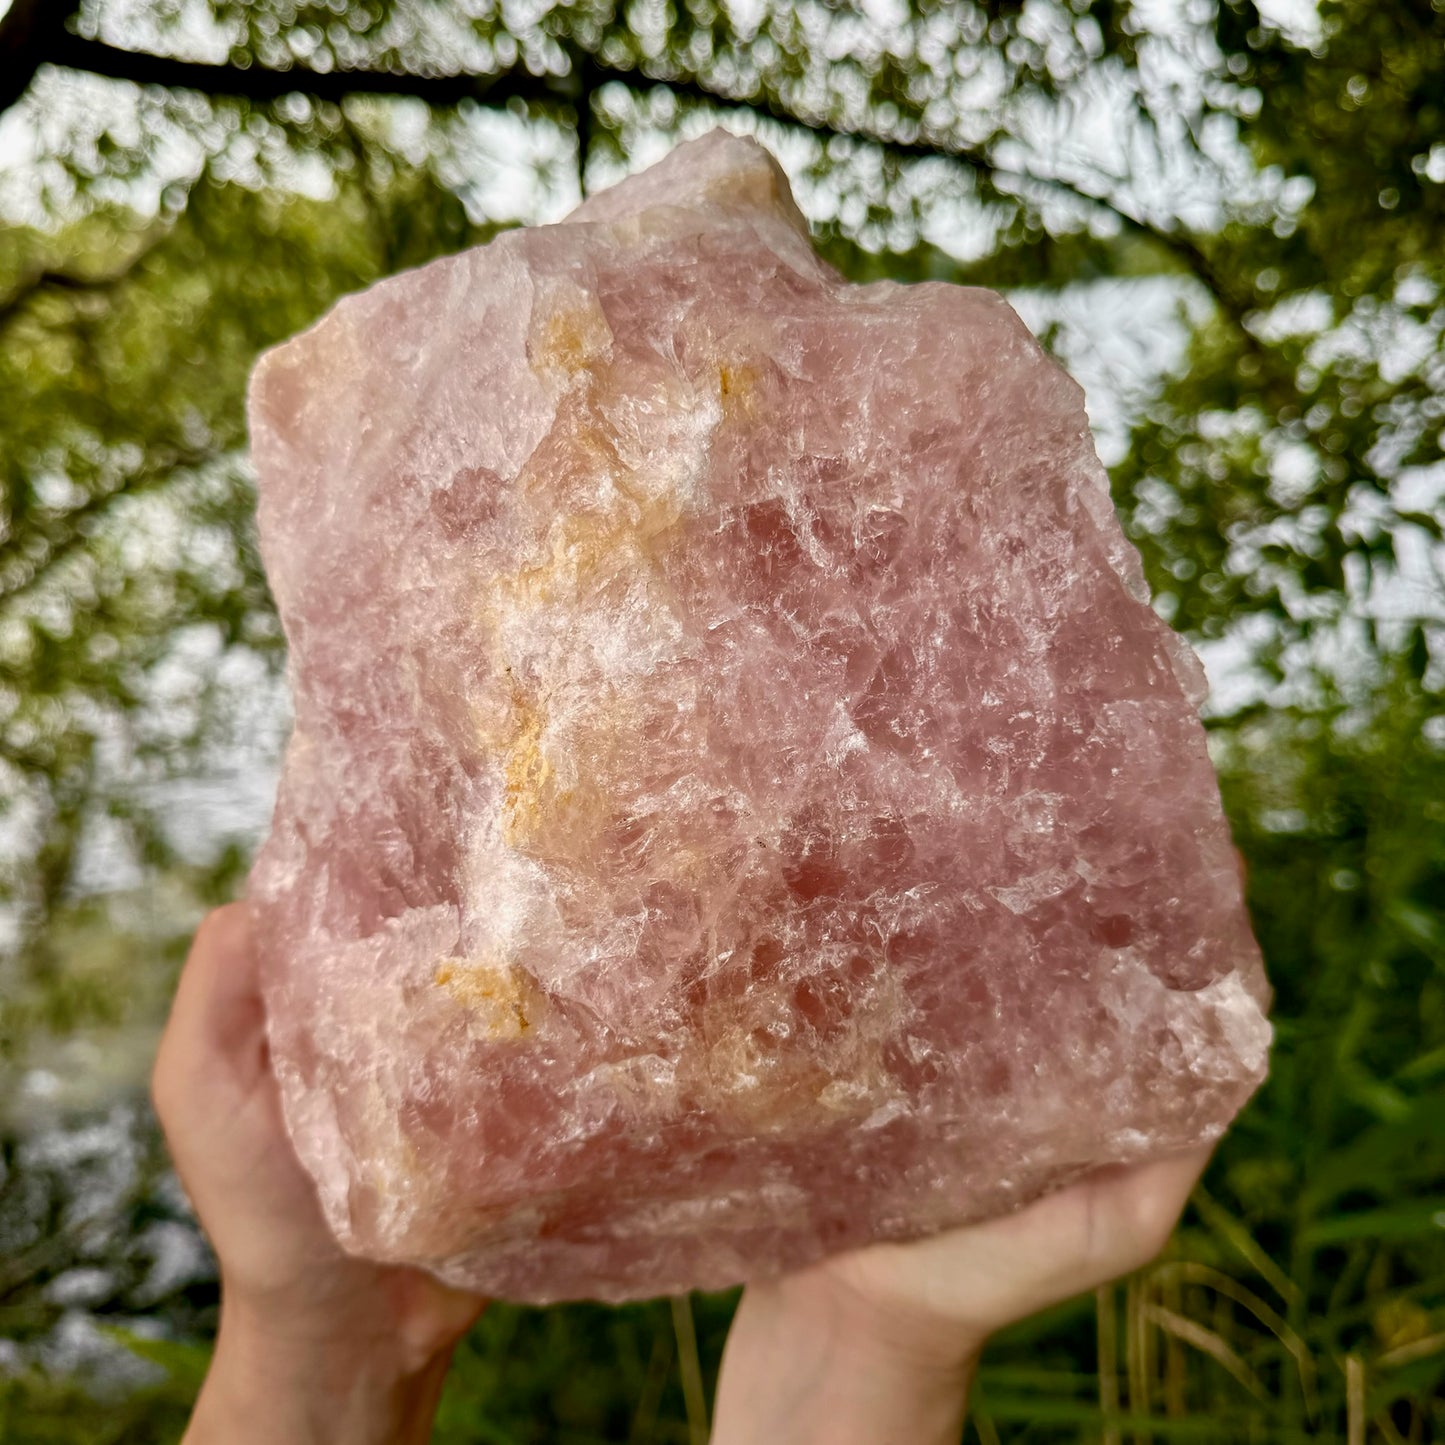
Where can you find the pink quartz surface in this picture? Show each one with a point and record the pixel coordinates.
(741, 803)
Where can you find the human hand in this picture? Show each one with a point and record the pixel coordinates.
(879, 1345)
(314, 1345)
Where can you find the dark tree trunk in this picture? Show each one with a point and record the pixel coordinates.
(30, 34)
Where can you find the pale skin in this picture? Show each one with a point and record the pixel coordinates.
(876, 1347)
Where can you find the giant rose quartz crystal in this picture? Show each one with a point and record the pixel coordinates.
(741, 803)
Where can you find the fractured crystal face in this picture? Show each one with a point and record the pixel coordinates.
(741, 804)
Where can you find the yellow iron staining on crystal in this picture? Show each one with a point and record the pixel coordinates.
(756, 1074)
(571, 337)
(609, 518)
(501, 1001)
(737, 383)
(588, 548)
(544, 812)
(526, 772)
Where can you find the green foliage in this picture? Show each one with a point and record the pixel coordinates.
(38, 1409)
(127, 503)
(1266, 479)
(521, 1376)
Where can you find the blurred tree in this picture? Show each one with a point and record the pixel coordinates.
(1295, 452)
(1291, 180)
(185, 182)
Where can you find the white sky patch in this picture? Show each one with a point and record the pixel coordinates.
(1118, 339)
(505, 168)
(1234, 681)
(186, 28)
(1298, 20)
(886, 14)
(18, 148)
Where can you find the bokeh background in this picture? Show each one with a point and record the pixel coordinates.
(1227, 217)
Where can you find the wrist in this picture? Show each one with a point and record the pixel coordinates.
(290, 1384)
(809, 1361)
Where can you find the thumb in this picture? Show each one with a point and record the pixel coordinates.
(217, 1023)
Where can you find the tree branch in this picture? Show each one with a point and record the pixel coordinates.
(1182, 247)
(45, 278)
(30, 34)
(585, 69)
(32, 553)
(261, 84)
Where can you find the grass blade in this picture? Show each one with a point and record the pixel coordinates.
(1209, 1343)
(1107, 1333)
(690, 1368)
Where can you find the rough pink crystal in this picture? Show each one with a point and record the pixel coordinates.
(741, 803)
